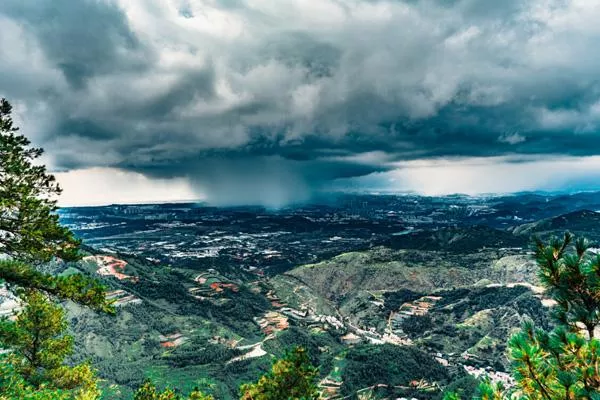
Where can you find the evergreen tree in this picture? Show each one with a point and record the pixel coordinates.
(77, 287)
(572, 278)
(148, 391)
(564, 363)
(29, 227)
(291, 378)
(30, 234)
(39, 347)
(14, 387)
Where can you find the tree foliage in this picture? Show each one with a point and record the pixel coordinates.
(292, 377)
(77, 287)
(368, 365)
(149, 391)
(565, 362)
(30, 231)
(14, 387)
(572, 277)
(39, 347)
(29, 227)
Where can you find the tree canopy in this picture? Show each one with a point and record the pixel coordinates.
(293, 377)
(29, 226)
(79, 288)
(30, 234)
(30, 231)
(149, 391)
(39, 346)
(571, 274)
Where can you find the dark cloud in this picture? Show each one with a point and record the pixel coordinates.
(263, 96)
(273, 180)
(81, 38)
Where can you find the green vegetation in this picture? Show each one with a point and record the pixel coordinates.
(35, 366)
(394, 366)
(29, 226)
(573, 280)
(39, 347)
(426, 271)
(318, 346)
(76, 287)
(565, 362)
(417, 324)
(13, 387)
(148, 391)
(393, 300)
(293, 377)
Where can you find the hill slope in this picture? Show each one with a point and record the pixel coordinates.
(583, 222)
(385, 269)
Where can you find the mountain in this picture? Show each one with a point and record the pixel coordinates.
(216, 330)
(581, 222)
(207, 297)
(461, 309)
(386, 269)
(457, 239)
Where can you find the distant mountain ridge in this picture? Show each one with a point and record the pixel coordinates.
(457, 239)
(580, 222)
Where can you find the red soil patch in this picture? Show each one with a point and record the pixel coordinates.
(220, 286)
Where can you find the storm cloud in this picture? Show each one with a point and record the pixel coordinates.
(262, 101)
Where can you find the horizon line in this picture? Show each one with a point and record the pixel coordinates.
(340, 192)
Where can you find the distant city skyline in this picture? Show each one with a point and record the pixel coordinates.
(268, 102)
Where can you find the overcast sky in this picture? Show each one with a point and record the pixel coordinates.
(268, 101)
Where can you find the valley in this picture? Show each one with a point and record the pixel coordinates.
(401, 295)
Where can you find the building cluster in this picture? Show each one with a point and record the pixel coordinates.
(209, 284)
(494, 376)
(330, 388)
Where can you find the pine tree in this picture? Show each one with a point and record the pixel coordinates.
(29, 226)
(572, 278)
(30, 232)
(39, 346)
(563, 364)
(77, 287)
(149, 391)
(291, 378)
(14, 387)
